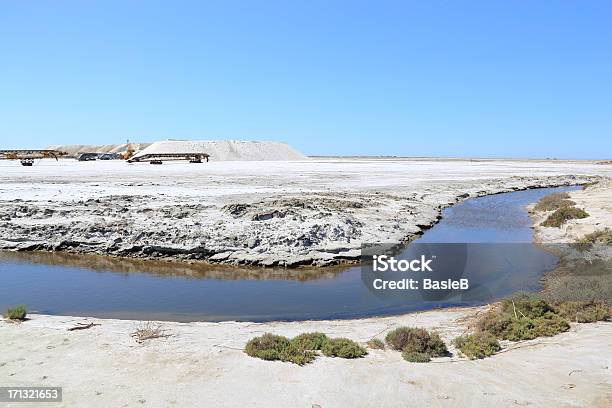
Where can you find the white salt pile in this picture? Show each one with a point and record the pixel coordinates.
(227, 150)
(73, 150)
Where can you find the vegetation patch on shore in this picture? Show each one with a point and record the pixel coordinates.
(343, 348)
(272, 347)
(302, 349)
(560, 216)
(310, 341)
(17, 313)
(477, 345)
(523, 316)
(585, 311)
(415, 357)
(376, 344)
(416, 344)
(554, 202)
(564, 209)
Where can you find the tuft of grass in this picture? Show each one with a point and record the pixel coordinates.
(560, 216)
(376, 344)
(343, 348)
(418, 340)
(309, 341)
(554, 202)
(415, 357)
(267, 347)
(17, 313)
(478, 345)
(584, 312)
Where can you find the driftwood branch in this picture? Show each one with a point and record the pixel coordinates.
(83, 326)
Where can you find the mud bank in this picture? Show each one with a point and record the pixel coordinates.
(315, 212)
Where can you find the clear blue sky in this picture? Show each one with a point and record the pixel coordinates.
(428, 78)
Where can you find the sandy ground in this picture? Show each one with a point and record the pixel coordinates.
(202, 364)
(315, 211)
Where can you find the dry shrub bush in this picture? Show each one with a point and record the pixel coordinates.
(416, 340)
(584, 312)
(376, 344)
(149, 331)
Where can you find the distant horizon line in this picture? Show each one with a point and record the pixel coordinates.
(366, 156)
(454, 158)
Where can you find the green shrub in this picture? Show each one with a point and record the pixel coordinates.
(584, 312)
(267, 347)
(411, 339)
(523, 316)
(549, 325)
(343, 348)
(310, 341)
(300, 349)
(295, 354)
(509, 327)
(554, 202)
(563, 214)
(17, 313)
(376, 344)
(524, 304)
(415, 357)
(477, 345)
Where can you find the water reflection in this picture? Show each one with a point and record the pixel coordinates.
(195, 270)
(89, 285)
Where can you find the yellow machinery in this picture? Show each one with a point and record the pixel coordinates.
(27, 157)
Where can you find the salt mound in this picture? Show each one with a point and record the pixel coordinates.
(227, 150)
(73, 150)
